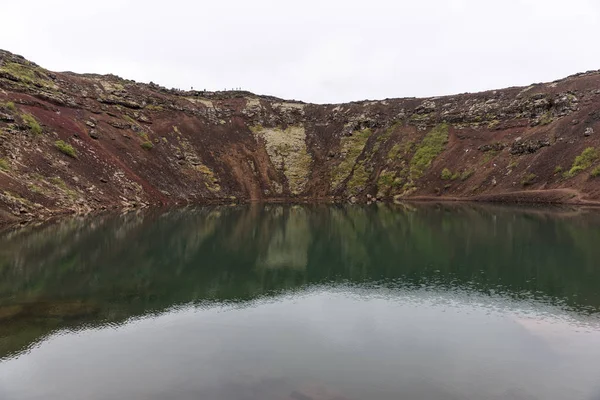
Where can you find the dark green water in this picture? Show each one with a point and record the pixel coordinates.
(293, 302)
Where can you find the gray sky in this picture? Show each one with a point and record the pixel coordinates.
(323, 51)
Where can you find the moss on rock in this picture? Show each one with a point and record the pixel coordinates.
(351, 148)
(430, 147)
(288, 153)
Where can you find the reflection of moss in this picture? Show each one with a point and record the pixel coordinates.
(113, 269)
(432, 145)
(351, 148)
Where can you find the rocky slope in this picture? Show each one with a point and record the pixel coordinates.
(78, 143)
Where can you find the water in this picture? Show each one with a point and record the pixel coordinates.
(304, 302)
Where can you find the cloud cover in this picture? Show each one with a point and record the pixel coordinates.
(323, 51)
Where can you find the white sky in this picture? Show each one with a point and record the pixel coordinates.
(321, 51)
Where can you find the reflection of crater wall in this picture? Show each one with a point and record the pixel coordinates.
(288, 247)
(113, 267)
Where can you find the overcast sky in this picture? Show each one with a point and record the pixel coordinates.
(323, 51)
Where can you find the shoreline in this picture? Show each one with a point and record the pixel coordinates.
(553, 197)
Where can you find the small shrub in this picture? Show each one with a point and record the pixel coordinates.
(528, 179)
(147, 145)
(32, 123)
(446, 174)
(595, 172)
(513, 164)
(65, 148)
(466, 174)
(583, 161)
(11, 106)
(4, 165)
(558, 169)
(58, 182)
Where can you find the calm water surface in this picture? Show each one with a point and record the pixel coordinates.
(304, 302)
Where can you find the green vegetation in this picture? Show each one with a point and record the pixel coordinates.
(528, 179)
(446, 174)
(493, 124)
(432, 145)
(154, 107)
(359, 179)
(32, 123)
(26, 73)
(288, 153)
(401, 149)
(143, 135)
(212, 182)
(466, 174)
(58, 182)
(513, 164)
(147, 145)
(383, 137)
(546, 118)
(488, 156)
(595, 172)
(11, 106)
(65, 148)
(385, 180)
(583, 162)
(4, 165)
(558, 169)
(351, 148)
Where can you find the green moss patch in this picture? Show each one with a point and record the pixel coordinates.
(26, 73)
(351, 148)
(65, 148)
(528, 179)
(583, 161)
(4, 165)
(430, 147)
(288, 153)
(32, 123)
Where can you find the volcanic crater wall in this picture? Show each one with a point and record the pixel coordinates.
(75, 143)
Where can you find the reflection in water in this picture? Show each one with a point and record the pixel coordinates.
(303, 302)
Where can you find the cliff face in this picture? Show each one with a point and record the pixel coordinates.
(77, 143)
